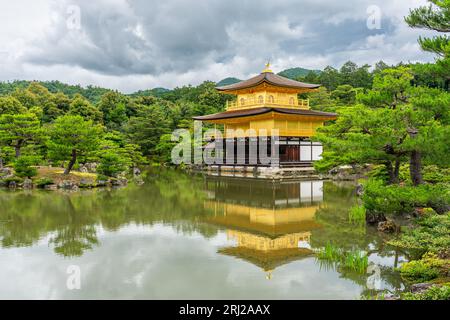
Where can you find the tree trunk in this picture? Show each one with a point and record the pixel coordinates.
(71, 162)
(17, 149)
(415, 160)
(1, 163)
(393, 171)
(415, 167)
(390, 171)
(396, 171)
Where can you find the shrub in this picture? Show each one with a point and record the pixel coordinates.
(431, 174)
(111, 164)
(431, 233)
(435, 292)
(42, 182)
(398, 200)
(435, 174)
(23, 166)
(428, 268)
(379, 172)
(418, 271)
(7, 181)
(102, 177)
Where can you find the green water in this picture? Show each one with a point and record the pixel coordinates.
(188, 237)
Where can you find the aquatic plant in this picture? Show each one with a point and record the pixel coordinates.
(354, 260)
(357, 261)
(330, 252)
(357, 214)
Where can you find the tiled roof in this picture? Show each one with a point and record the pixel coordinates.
(263, 110)
(270, 78)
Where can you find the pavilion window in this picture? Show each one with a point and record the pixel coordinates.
(271, 99)
(242, 102)
(260, 99)
(291, 101)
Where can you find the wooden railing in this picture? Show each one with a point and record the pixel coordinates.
(275, 102)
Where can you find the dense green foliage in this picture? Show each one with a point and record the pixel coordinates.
(398, 200)
(431, 233)
(23, 166)
(435, 292)
(390, 116)
(428, 268)
(70, 125)
(392, 123)
(435, 17)
(72, 137)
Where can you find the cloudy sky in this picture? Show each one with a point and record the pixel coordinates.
(140, 44)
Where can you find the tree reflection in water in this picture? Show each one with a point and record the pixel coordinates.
(271, 223)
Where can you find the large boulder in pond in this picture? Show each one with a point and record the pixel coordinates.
(359, 190)
(348, 172)
(374, 217)
(6, 173)
(387, 226)
(87, 183)
(91, 167)
(27, 184)
(420, 287)
(136, 171)
(68, 185)
(12, 184)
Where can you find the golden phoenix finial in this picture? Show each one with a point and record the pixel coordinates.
(267, 69)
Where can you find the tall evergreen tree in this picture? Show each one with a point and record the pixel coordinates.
(72, 137)
(434, 17)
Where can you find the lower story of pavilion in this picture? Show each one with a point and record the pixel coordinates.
(286, 141)
(284, 152)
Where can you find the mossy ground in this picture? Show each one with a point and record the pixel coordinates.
(57, 175)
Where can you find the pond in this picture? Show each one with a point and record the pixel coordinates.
(183, 236)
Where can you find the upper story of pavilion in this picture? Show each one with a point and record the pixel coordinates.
(267, 90)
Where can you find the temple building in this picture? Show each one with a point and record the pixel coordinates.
(269, 102)
(270, 223)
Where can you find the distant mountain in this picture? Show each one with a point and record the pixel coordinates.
(295, 73)
(91, 93)
(227, 81)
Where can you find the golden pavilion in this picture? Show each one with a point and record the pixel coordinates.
(270, 102)
(270, 223)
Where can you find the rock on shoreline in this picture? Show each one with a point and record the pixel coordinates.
(50, 178)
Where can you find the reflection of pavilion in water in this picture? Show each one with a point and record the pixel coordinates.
(271, 222)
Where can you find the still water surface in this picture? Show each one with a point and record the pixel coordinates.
(188, 237)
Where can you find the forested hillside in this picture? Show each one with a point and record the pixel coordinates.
(146, 118)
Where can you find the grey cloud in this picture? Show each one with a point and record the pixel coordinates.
(142, 37)
(133, 44)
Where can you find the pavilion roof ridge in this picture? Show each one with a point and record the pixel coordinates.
(270, 78)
